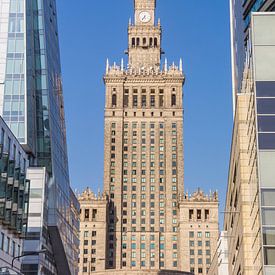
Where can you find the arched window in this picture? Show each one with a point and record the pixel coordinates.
(133, 42)
(144, 41)
(151, 42)
(138, 41)
(155, 42)
(114, 100)
(174, 100)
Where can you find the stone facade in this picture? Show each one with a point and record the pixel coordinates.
(143, 173)
(93, 231)
(199, 230)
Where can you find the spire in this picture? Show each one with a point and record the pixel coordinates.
(165, 65)
(122, 64)
(180, 65)
(107, 66)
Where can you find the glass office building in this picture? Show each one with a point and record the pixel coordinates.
(241, 11)
(253, 69)
(31, 103)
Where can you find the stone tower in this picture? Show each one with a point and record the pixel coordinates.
(143, 168)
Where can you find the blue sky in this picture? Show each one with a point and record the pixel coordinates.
(198, 31)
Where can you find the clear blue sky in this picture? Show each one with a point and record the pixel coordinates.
(198, 31)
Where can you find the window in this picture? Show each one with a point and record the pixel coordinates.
(143, 100)
(191, 214)
(2, 237)
(135, 100)
(114, 100)
(126, 100)
(269, 255)
(152, 101)
(206, 214)
(199, 214)
(207, 234)
(173, 100)
(161, 101)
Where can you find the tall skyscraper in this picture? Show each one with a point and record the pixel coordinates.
(31, 103)
(143, 173)
(249, 215)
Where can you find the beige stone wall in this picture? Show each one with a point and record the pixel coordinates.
(242, 219)
(141, 272)
(93, 232)
(198, 234)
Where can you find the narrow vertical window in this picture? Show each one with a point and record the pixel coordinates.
(135, 100)
(143, 100)
(114, 100)
(161, 101)
(133, 42)
(126, 98)
(152, 101)
(174, 100)
(155, 42)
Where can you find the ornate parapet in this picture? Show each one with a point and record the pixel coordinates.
(89, 195)
(199, 196)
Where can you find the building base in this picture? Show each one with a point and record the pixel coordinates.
(141, 272)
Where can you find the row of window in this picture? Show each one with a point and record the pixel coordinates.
(192, 243)
(199, 214)
(152, 246)
(200, 261)
(151, 42)
(152, 264)
(143, 101)
(199, 234)
(9, 246)
(200, 270)
(200, 252)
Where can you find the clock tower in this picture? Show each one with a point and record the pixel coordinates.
(144, 45)
(143, 161)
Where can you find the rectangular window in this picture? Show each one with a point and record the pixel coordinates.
(268, 216)
(269, 255)
(266, 106)
(152, 101)
(143, 100)
(269, 236)
(266, 141)
(265, 88)
(266, 123)
(268, 198)
(135, 100)
(191, 214)
(161, 101)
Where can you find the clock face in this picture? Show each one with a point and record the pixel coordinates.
(144, 17)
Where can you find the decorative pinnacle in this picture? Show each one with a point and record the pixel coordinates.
(107, 66)
(180, 65)
(122, 64)
(165, 65)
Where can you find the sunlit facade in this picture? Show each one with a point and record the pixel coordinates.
(249, 216)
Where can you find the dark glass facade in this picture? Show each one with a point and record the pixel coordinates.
(241, 11)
